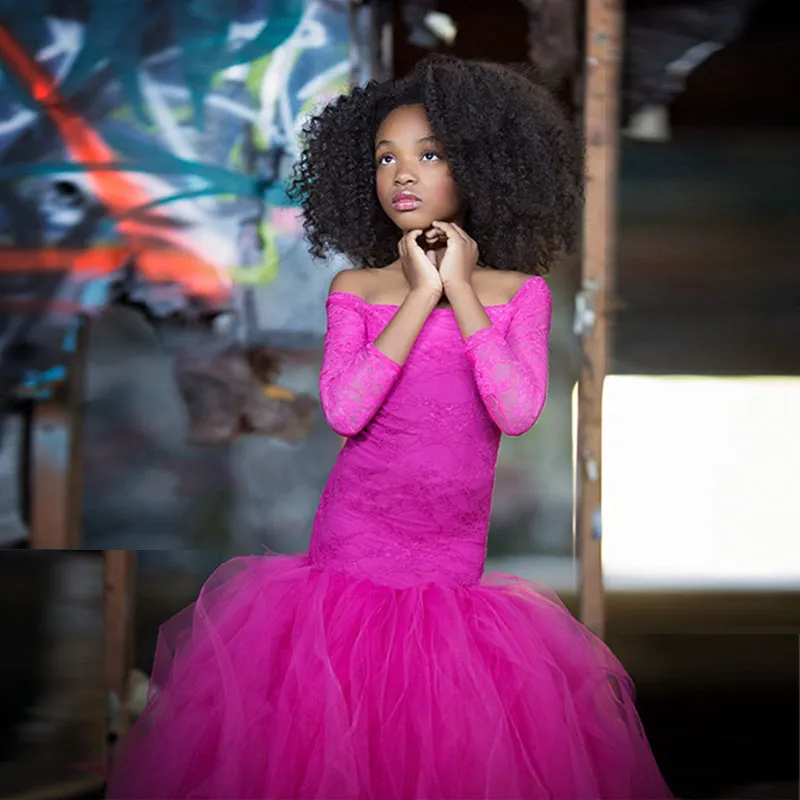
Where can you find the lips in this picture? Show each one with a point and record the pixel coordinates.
(405, 201)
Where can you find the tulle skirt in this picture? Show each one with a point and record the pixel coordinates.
(284, 680)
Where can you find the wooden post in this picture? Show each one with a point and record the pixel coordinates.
(120, 575)
(601, 125)
(53, 472)
(55, 458)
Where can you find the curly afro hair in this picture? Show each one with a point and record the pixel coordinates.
(515, 158)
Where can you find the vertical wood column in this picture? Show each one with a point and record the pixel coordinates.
(604, 29)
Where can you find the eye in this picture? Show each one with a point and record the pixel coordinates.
(385, 159)
(430, 156)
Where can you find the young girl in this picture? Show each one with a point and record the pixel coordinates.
(384, 664)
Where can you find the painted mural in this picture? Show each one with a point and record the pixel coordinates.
(144, 148)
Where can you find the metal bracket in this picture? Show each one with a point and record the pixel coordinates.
(585, 313)
(597, 525)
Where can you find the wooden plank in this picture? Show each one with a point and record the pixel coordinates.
(601, 111)
(120, 579)
(55, 459)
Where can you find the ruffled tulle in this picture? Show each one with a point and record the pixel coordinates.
(287, 681)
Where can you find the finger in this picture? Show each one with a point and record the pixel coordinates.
(411, 239)
(452, 231)
(445, 227)
(449, 236)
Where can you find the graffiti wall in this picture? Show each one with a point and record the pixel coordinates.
(144, 147)
(144, 152)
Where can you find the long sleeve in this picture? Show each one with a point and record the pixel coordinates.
(356, 377)
(511, 371)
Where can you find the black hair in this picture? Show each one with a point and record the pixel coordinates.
(513, 153)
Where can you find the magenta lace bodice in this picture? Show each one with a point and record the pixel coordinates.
(409, 498)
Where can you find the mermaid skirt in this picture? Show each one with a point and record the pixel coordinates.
(284, 680)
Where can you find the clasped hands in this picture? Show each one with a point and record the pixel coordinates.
(446, 261)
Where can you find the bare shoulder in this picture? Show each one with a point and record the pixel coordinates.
(349, 281)
(502, 285)
(516, 280)
(367, 284)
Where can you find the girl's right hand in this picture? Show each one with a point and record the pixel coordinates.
(421, 273)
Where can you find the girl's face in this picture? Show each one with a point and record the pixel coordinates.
(412, 179)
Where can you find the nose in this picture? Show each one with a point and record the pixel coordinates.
(404, 176)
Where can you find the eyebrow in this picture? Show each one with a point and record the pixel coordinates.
(383, 142)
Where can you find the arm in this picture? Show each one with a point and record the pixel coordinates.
(470, 313)
(357, 375)
(511, 372)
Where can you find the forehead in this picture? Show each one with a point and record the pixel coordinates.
(405, 122)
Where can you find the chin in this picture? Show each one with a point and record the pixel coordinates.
(412, 220)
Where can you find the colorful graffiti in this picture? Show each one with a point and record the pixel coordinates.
(144, 148)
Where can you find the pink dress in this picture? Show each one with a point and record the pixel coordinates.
(384, 664)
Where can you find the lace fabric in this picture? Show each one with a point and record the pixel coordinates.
(511, 371)
(355, 376)
(409, 498)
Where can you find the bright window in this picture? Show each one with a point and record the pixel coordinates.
(701, 482)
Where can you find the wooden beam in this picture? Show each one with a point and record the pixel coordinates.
(601, 130)
(120, 579)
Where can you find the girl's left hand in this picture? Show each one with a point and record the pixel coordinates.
(460, 257)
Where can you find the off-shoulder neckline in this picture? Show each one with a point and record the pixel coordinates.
(534, 279)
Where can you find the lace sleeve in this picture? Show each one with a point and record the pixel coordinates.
(356, 377)
(511, 371)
